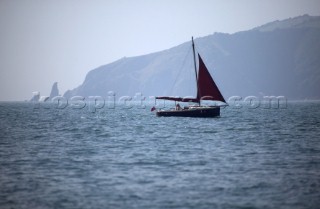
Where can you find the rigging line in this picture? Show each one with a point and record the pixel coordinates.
(180, 69)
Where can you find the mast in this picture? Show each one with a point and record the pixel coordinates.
(195, 68)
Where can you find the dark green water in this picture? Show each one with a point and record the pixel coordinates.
(128, 158)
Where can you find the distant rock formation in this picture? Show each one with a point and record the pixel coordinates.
(278, 58)
(54, 90)
(54, 93)
(35, 97)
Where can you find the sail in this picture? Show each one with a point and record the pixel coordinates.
(179, 99)
(207, 89)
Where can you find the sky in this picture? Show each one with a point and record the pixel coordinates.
(43, 41)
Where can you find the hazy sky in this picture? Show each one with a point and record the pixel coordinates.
(43, 41)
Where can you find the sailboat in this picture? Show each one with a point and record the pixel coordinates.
(206, 90)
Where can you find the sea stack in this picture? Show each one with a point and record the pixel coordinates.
(54, 90)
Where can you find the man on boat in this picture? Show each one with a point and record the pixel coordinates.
(178, 107)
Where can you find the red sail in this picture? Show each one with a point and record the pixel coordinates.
(207, 89)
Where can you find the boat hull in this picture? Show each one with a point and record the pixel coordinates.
(201, 112)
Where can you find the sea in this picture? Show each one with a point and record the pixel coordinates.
(126, 157)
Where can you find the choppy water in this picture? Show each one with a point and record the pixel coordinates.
(129, 158)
